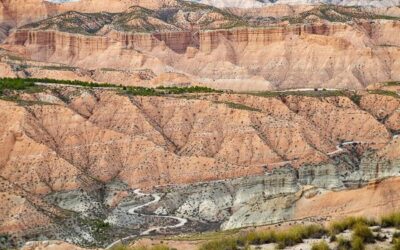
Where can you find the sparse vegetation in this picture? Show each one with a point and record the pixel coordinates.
(334, 13)
(360, 226)
(234, 105)
(362, 231)
(357, 243)
(27, 83)
(221, 244)
(396, 244)
(285, 238)
(391, 220)
(309, 93)
(384, 92)
(155, 247)
(343, 244)
(322, 245)
(14, 84)
(356, 99)
(393, 84)
(348, 223)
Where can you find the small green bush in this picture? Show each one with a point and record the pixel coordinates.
(296, 234)
(357, 243)
(391, 220)
(396, 235)
(396, 244)
(257, 238)
(343, 244)
(362, 231)
(348, 223)
(222, 244)
(356, 99)
(156, 247)
(322, 245)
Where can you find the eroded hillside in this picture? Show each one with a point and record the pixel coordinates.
(71, 156)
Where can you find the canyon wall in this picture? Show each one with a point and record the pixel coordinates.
(334, 55)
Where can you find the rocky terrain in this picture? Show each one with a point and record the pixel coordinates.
(73, 158)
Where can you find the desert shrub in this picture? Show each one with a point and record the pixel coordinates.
(356, 99)
(285, 238)
(343, 244)
(362, 231)
(322, 245)
(396, 235)
(156, 247)
(221, 244)
(289, 238)
(391, 220)
(14, 84)
(384, 92)
(295, 235)
(257, 238)
(396, 244)
(348, 223)
(24, 83)
(357, 243)
(393, 83)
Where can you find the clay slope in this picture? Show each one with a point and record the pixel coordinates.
(96, 130)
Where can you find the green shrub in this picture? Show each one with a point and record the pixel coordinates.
(24, 83)
(396, 244)
(393, 84)
(396, 235)
(14, 84)
(343, 244)
(357, 243)
(360, 230)
(290, 238)
(221, 244)
(156, 247)
(356, 99)
(257, 238)
(322, 245)
(348, 223)
(384, 92)
(296, 234)
(391, 220)
(285, 238)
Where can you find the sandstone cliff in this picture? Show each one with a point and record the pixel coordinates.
(330, 48)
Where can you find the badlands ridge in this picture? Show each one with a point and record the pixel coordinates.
(72, 158)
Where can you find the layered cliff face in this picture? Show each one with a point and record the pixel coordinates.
(338, 55)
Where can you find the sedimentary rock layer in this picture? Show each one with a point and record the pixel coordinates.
(324, 55)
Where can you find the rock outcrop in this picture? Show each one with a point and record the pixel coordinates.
(279, 53)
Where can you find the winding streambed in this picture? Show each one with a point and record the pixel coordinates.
(133, 211)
